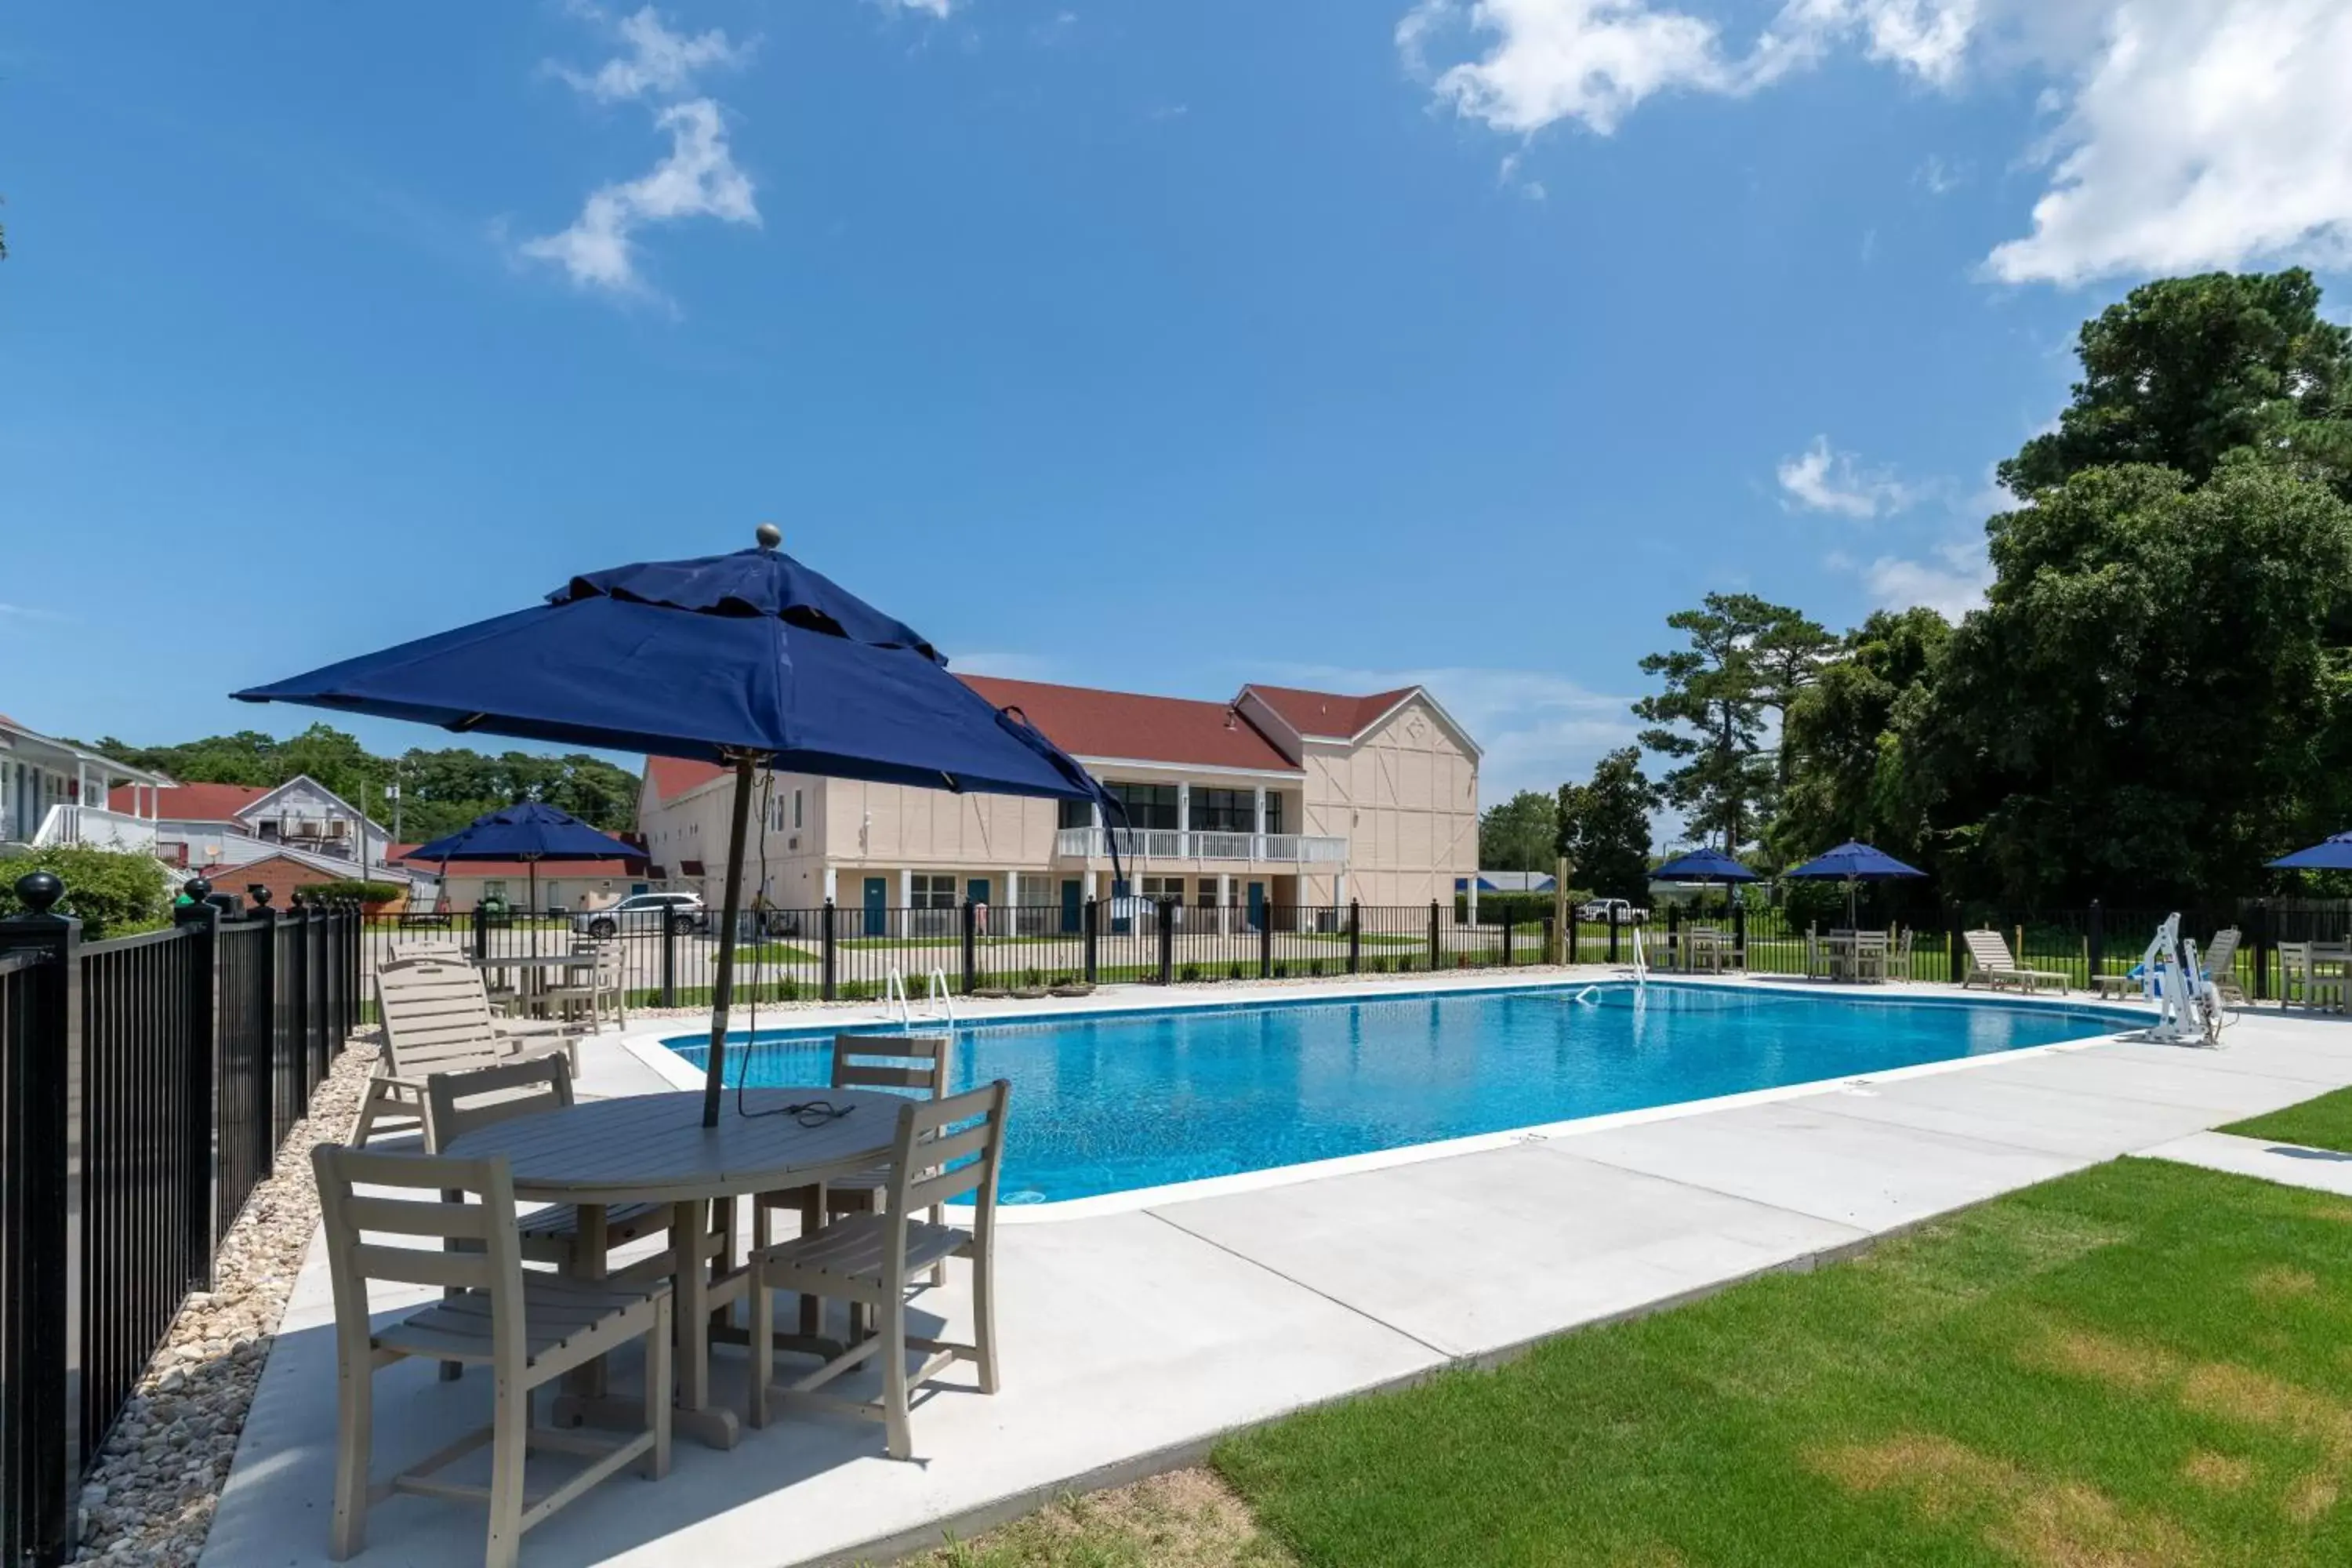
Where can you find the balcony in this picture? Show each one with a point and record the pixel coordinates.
(92, 825)
(1141, 844)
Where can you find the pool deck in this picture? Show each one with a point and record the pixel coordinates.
(1134, 1334)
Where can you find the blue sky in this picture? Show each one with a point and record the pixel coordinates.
(1140, 344)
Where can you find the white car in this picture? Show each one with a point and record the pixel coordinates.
(644, 914)
(1596, 913)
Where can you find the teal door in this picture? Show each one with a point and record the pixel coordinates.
(1257, 906)
(976, 889)
(877, 906)
(1072, 890)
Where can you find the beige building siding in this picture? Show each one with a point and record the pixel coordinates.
(1405, 796)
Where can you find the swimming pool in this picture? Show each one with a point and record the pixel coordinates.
(1108, 1102)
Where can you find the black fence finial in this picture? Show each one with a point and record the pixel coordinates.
(40, 891)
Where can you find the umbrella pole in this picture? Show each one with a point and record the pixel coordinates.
(714, 1076)
(531, 865)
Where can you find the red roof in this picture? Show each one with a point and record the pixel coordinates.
(673, 776)
(1089, 723)
(1328, 712)
(193, 803)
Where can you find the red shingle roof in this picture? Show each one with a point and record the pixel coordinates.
(673, 776)
(1089, 723)
(1328, 712)
(193, 803)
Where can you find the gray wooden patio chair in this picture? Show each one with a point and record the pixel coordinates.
(1989, 961)
(435, 1018)
(530, 1329)
(943, 1150)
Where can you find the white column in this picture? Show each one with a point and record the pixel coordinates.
(1473, 899)
(832, 884)
(1012, 894)
(1225, 899)
(1340, 888)
(1184, 818)
(1258, 825)
(906, 889)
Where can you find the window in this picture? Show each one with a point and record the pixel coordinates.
(1075, 813)
(1157, 888)
(796, 809)
(1147, 805)
(1208, 899)
(494, 890)
(1273, 812)
(1233, 811)
(933, 890)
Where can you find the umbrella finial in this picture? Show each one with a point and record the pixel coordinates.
(769, 535)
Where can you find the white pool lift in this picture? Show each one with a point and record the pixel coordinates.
(2187, 1004)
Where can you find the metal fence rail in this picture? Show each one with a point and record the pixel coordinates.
(145, 1084)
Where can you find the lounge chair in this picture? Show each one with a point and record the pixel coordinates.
(436, 1019)
(2221, 961)
(1990, 960)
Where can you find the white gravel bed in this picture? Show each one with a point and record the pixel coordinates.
(151, 1499)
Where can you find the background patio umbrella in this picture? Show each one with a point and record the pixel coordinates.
(750, 659)
(530, 833)
(1850, 863)
(1703, 866)
(2333, 853)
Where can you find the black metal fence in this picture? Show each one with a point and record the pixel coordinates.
(146, 1084)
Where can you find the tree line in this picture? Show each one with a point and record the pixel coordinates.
(440, 791)
(2154, 699)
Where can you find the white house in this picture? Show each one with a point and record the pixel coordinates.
(55, 792)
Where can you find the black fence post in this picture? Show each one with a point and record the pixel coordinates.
(1437, 948)
(2263, 945)
(482, 940)
(201, 923)
(971, 946)
(1510, 934)
(1740, 932)
(1166, 941)
(1266, 941)
(828, 951)
(41, 1234)
(1612, 930)
(1355, 935)
(1956, 945)
(1093, 929)
(2095, 946)
(265, 1009)
(668, 956)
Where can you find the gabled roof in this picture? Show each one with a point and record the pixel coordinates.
(271, 793)
(673, 776)
(1127, 727)
(1327, 715)
(193, 803)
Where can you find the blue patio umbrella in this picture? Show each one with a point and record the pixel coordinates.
(1850, 863)
(1703, 866)
(2333, 853)
(750, 659)
(530, 832)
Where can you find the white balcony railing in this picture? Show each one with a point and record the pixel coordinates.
(70, 824)
(1169, 843)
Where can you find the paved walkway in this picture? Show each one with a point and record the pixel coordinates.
(1133, 1339)
(2324, 1169)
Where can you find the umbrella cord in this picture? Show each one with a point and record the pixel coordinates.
(752, 1037)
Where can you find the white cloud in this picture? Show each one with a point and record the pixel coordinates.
(1821, 480)
(698, 179)
(1952, 580)
(934, 8)
(658, 63)
(1593, 61)
(2200, 134)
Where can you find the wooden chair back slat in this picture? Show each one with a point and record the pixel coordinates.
(893, 1061)
(493, 1258)
(462, 1102)
(925, 1144)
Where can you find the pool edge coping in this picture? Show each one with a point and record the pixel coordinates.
(648, 1047)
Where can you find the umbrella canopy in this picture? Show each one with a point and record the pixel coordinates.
(1852, 862)
(527, 832)
(2330, 853)
(750, 659)
(1703, 865)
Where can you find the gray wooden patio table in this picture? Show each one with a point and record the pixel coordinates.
(653, 1148)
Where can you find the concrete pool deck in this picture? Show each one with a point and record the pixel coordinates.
(1133, 1338)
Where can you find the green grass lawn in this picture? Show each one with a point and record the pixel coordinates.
(2322, 1124)
(774, 953)
(2142, 1364)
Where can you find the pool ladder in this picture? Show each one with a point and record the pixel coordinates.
(938, 1000)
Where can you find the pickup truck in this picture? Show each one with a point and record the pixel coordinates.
(1596, 913)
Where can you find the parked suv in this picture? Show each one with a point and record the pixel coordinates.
(644, 914)
(1597, 911)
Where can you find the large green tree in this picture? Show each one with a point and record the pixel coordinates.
(2153, 702)
(1843, 741)
(1604, 826)
(1522, 834)
(2185, 371)
(1745, 657)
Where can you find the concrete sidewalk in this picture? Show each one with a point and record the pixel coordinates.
(1131, 1341)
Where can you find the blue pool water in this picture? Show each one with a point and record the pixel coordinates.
(1112, 1102)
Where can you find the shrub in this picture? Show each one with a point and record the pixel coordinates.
(1190, 972)
(1315, 969)
(1032, 976)
(351, 889)
(112, 892)
(1234, 972)
(1282, 972)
